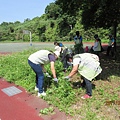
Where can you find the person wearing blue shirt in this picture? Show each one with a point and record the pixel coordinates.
(78, 43)
(111, 46)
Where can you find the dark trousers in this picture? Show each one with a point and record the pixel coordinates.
(94, 52)
(97, 53)
(78, 48)
(88, 86)
(110, 49)
(39, 75)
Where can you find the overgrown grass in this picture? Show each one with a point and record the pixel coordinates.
(65, 95)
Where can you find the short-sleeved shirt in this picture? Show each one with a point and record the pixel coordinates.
(111, 41)
(78, 39)
(51, 57)
(76, 61)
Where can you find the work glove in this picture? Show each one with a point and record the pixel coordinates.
(55, 80)
(67, 78)
(47, 74)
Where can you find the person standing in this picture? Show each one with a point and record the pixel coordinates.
(111, 45)
(78, 43)
(37, 61)
(97, 45)
(88, 66)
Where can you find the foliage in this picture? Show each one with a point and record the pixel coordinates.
(99, 13)
(53, 11)
(66, 95)
(70, 7)
(63, 18)
(47, 111)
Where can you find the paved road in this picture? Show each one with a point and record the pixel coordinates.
(16, 47)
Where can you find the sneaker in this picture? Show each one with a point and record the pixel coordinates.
(86, 96)
(41, 94)
(36, 89)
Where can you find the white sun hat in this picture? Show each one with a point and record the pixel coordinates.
(57, 53)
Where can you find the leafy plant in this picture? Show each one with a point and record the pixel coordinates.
(47, 111)
(14, 68)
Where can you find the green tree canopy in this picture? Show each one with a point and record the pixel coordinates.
(70, 7)
(53, 11)
(101, 13)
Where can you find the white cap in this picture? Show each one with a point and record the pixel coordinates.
(57, 53)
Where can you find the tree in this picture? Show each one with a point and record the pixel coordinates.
(69, 7)
(4, 24)
(101, 13)
(53, 11)
(17, 22)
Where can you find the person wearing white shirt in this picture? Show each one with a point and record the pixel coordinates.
(88, 66)
(96, 48)
(57, 47)
(37, 61)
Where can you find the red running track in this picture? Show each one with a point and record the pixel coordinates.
(15, 107)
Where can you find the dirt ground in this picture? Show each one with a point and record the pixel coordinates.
(110, 67)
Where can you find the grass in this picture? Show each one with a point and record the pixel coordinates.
(17, 41)
(67, 95)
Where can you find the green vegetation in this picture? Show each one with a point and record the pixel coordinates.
(47, 111)
(60, 22)
(66, 95)
(63, 18)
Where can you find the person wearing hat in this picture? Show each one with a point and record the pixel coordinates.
(37, 61)
(57, 47)
(88, 66)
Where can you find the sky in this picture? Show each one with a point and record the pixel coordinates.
(19, 10)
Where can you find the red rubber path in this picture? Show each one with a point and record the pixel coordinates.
(13, 107)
